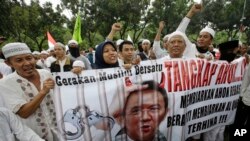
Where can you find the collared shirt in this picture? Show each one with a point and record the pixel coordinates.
(121, 136)
(62, 66)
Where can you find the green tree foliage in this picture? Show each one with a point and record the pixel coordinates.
(99, 15)
(222, 15)
(225, 16)
(169, 11)
(29, 23)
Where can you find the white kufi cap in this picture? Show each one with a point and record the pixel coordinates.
(78, 63)
(36, 53)
(145, 41)
(209, 30)
(13, 49)
(44, 52)
(72, 42)
(119, 41)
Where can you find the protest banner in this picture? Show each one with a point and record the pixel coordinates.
(187, 97)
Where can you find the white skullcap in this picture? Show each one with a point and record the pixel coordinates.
(145, 41)
(13, 49)
(72, 42)
(44, 52)
(60, 45)
(78, 63)
(166, 37)
(184, 36)
(36, 53)
(209, 30)
(119, 41)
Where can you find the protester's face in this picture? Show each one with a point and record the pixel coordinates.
(83, 53)
(236, 50)
(90, 49)
(36, 56)
(211, 48)
(151, 54)
(52, 53)
(109, 54)
(59, 51)
(243, 49)
(145, 46)
(176, 46)
(23, 64)
(204, 40)
(127, 52)
(43, 56)
(143, 114)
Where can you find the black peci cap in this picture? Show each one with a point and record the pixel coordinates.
(229, 45)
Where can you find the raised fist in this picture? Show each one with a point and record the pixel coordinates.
(116, 26)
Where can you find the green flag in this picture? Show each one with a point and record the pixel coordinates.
(77, 29)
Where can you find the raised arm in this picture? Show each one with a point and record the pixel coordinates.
(159, 52)
(161, 27)
(186, 20)
(115, 28)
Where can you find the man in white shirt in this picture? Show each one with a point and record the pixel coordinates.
(11, 128)
(204, 40)
(42, 61)
(51, 58)
(27, 91)
(4, 69)
(176, 45)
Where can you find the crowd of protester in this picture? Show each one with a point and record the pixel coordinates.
(27, 111)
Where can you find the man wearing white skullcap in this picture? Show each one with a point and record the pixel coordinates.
(51, 57)
(200, 50)
(204, 40)
(27, 91)
(42, 61)
(176, 45)
(36, 55)
(145, 46)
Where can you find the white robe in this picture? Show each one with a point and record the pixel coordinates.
(11, 128)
